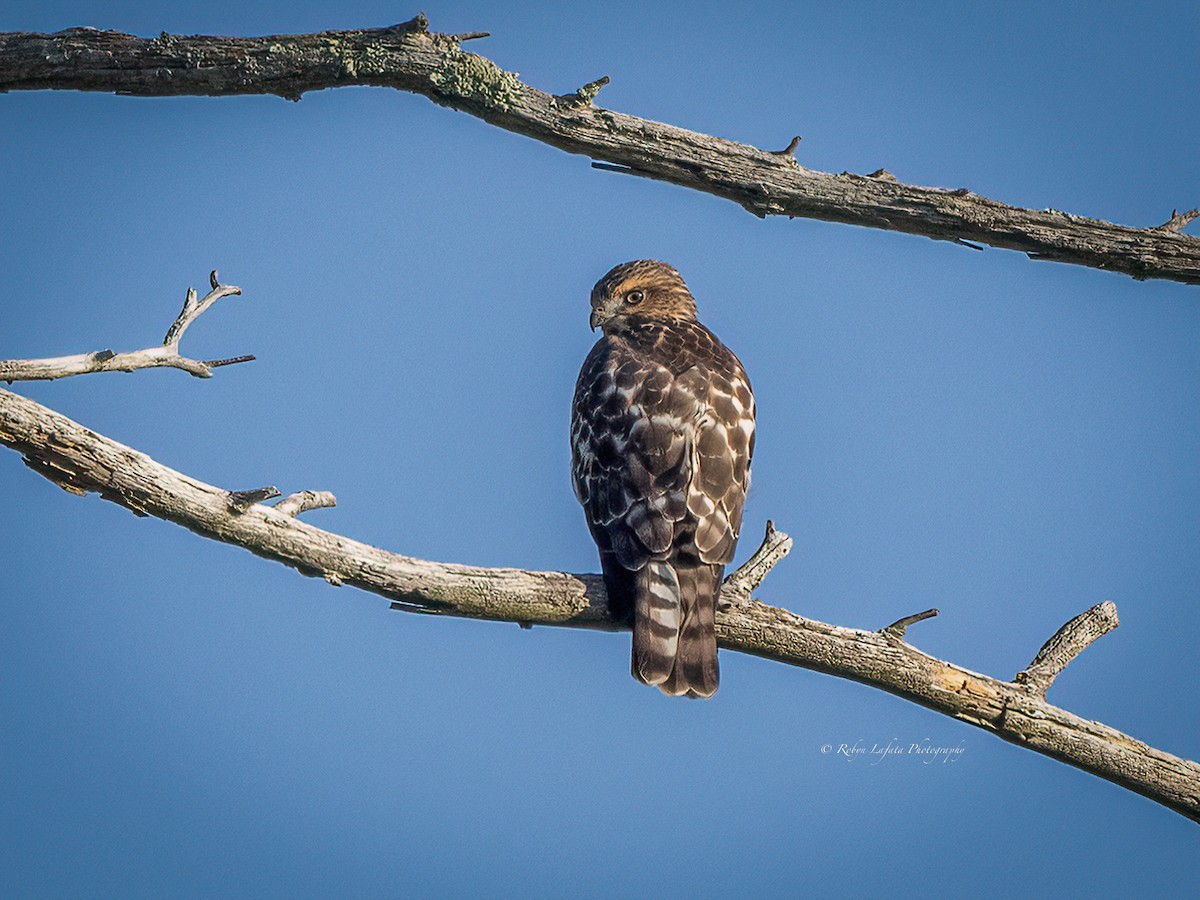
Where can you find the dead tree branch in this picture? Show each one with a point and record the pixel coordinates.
(897, 628)
(742, 583)
(409, 57)
(152, 357)
(304, 501)
(80, 460)
(1067, 643)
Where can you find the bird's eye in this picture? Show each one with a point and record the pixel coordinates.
(633, 298)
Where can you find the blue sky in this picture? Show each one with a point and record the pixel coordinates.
(1009, 441)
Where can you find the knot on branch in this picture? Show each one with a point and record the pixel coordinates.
(240, 501)
(583, 97)
(418, 24)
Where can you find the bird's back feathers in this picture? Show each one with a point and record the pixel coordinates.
(662, 431)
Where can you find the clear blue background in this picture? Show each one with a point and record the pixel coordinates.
(1007, 440)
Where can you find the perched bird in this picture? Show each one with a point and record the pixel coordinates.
(662, 431)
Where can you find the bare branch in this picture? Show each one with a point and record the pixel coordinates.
(790, 149)
(303, 501)
(193, 309)
(152, 357)
(241, 501)
(81, 460)
(231, 361)
(409, 57)
(775, 546)
(1178, 220)
(897, 628)
(1067, 643)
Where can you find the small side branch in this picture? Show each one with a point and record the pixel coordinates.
(167, 355)
(583, 97)
(1067, 643)
(897, 628)
(1178, 220)
(304, 501)
(741, 584)
(790, 149)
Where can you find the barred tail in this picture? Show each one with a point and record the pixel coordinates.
(656, 623)
(696, 672)
(674, 639)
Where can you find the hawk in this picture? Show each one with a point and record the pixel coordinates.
(662, 431)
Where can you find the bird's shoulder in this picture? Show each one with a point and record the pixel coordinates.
(645, 367)
(674, 344)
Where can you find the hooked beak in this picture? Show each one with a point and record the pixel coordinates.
(596, 319)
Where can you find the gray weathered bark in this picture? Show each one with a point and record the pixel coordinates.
(80, 460)
(410, 58)
(166, 355)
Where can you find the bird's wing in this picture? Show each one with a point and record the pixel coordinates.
(632, 424)
(721, 452)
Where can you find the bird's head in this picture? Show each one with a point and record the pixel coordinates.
(644, 288)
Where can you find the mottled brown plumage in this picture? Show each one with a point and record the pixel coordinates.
(662, 432)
